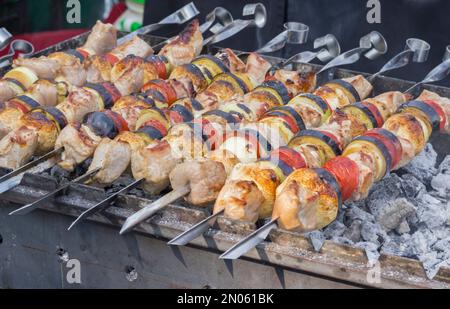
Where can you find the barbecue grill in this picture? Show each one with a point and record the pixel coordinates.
(35, 248)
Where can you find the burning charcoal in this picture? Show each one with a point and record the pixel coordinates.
(354, 212)
(411, 186)
(441, 183)
(394, 213)
(342, 240)
(388, 188)
(431, 211)
(421, 241)
(316, 239)
(431, 264)
(372, 232)
(371, 250)
(335, 229)
(354, 231)
(443, 244)
(423, 166)
(403, 228)
(61, 174)
(398, 245)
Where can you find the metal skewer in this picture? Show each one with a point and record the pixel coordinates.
(258, 10)
(105, 203)
(439, 73)
(179, 17)
(12, 179)
(416, 50)
(372, 45)
(30, 207)
(203, 226)
(219, 14)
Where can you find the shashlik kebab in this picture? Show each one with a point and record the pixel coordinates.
(38, 95)
(128, 76)
(277, 125)
(102, 68)
(66, 65)
(185, 137)
(310, 198)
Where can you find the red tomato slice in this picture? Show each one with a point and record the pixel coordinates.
(112, 59)
(290, 157)
(113, 91)
(288, 119)
(157, 125)
(164, 88)
(440, 112)
(18, 105)
(346, 172)
(118, 120)
(83, 52)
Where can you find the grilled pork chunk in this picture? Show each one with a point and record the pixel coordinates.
(185, 47)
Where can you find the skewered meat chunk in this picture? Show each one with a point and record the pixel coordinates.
(102, 39)
(231, 60)
(43, 67)
(71, 69)
(304, 202)
(42, 93)
(204, 177)
(185, 47)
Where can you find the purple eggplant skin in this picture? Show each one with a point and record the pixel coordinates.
(101, 124)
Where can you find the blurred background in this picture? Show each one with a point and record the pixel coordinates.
(44, 23)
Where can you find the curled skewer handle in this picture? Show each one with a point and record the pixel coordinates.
(20, 47)
(331, 50)
(439, 73)
(415, 51)
(258, 10)
(447, 53)
(371, 45)
(260, 18)
(181, 16)
(295, 33)
(219, 14)
(5, 38)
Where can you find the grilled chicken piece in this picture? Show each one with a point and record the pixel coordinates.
(250, 192)
(71, 69)
(80, 102)
(154, 163)
(366, 177)
(361, 85)
(231, 60)
(205, 178)
(297, 82)
(43, 67)
(79, 143)
(216, 94)
(103, 39)
(35, 135)
(113, 157)
(44, 92)
(98, 68)
(257, 68)
(136, 46)
(183, 87)
(131, 73)
(304, 202)
(185, 47)
(8, 90)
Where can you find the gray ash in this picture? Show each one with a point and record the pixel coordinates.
(407, 214)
